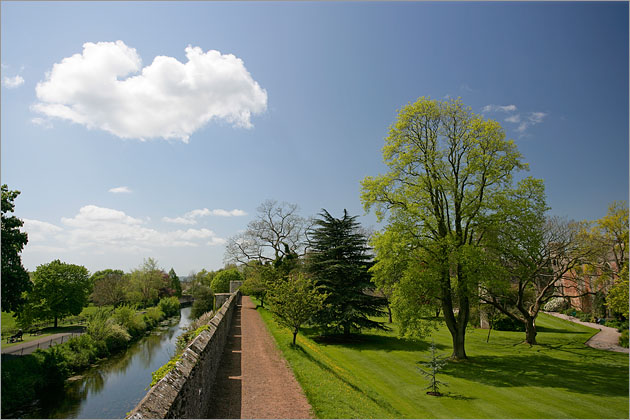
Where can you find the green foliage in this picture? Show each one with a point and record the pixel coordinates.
(204, 302)
(505, 323)
(109, 287)
(170, 306)
(434, 365)
(617, 299)
(623, 338)
(153, 316)
(15, 279)
(221, 281)
(295, 299)
(164, 370)
(447, 166)
(132, 321)
(339, 264)
(59, 290)
(175, 283)
(146, 283)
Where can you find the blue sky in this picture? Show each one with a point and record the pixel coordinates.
(294, 107)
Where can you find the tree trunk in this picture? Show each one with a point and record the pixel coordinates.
(55, 321)
(389, 312)
(457, 330)
(295, 332)
(346, 330)
(530, 332)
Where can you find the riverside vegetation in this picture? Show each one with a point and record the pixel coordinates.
(108, 331)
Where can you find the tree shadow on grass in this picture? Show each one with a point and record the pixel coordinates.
(588, 376)
(374, 342)
(383, 404)
(559, 331)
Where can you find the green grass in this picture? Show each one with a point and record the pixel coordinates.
(376, 376)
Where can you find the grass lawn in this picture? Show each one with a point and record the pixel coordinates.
(375, 375)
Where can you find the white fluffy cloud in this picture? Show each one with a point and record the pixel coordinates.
(501, 108)
(12, 82)
(38, 230)
(102, 229)
(119, 190)
(189, 218)
(105, 87)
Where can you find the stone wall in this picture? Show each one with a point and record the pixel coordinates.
(185, 391)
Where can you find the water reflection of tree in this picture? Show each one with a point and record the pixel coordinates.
(68, 402)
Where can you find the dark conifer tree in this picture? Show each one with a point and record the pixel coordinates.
(338, 262)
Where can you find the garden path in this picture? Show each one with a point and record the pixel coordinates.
(606, 339)
(40, 343)
(254, 380)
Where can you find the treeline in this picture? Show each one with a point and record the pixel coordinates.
(59, 290)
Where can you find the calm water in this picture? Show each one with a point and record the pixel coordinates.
(117, 385)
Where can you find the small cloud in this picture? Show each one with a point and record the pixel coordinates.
(42, 122)
(522, 127)
(516, 118)
(39, 231)
(12, 82)
(120, 190)
(499, 108)
(189, 218)
(216, 241)
(179, 220)
(466, 88)
(226, 213)
(537, 117)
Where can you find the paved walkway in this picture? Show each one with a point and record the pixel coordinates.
(254, 380)
(606, 339)
(41, 343)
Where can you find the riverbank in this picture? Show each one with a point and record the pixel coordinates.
(26, 379)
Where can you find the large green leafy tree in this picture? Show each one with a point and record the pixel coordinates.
(59, 290)
(446, 165)
(108, 287)
(221, 282)
(338, 263)
(15, 279)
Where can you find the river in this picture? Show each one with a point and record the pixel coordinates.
(115, 386)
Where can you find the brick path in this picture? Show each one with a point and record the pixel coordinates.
(254, 380)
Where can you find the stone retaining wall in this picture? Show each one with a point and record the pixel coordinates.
(185, 391)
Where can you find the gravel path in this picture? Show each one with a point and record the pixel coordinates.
(606, 339)
(254, 380)
(23, 349)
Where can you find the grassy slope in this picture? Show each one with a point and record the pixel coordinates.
(376, 376)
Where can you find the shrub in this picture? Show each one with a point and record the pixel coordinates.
(556, 305)
(204, 302)
(118, 338)
(170, 306)
(623, 339)
(132, 321)
(81, 351)
(164, 370)
(505, 323)
(153, 316)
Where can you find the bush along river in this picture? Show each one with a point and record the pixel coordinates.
(116, 385)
